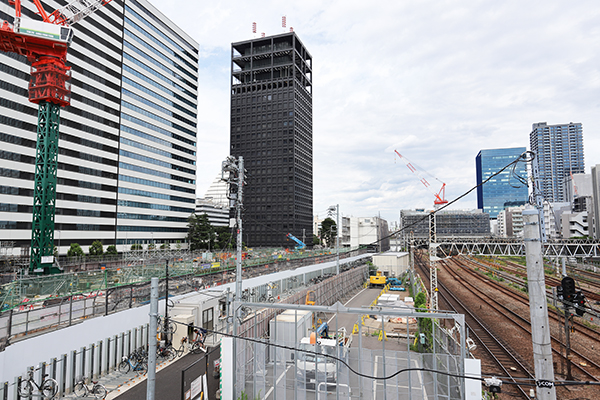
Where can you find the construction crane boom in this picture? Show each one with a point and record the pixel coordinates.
(45, 44)
(440, 196)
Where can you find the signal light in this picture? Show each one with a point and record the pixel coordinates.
(579, 300)
(568, 287)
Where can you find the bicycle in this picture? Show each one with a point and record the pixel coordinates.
(171, 326)
(48, 388)
(168, 352)
(82, 390)
(136, 362)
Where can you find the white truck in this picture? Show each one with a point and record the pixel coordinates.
(313, 365)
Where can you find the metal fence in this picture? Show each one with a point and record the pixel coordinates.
(376, 368)
(60, 300)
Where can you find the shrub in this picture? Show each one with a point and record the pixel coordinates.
(96, 249)
(112, 250)
(75, 250)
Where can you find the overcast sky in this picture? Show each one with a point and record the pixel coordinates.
(436, 80)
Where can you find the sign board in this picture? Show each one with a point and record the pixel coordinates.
(47, 259)
(196, 387)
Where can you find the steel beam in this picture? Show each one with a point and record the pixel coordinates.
(44, 191)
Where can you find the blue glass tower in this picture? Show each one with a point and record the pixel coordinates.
(503, 190)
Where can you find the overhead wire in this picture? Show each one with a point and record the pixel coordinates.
(505, 380)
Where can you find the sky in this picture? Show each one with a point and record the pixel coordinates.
(436, 80)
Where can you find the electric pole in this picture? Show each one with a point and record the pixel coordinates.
(330, 211)
(538, 309)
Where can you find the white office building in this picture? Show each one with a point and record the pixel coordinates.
(127, 148)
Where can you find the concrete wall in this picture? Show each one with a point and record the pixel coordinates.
(15, 359)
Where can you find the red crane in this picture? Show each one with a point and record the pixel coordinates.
(440, 196)
(45, 44)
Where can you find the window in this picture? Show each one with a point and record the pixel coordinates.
(208, 318)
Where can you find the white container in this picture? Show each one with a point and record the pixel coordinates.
(287, 329)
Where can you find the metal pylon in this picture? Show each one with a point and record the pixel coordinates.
(433, 286)
(44, 191)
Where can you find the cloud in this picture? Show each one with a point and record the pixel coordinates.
(438, 81)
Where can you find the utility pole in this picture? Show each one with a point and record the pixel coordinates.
(152, 339)
(235, 179)
(166, 323)
(330, 211)
(538, 309)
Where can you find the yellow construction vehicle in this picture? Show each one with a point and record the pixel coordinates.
(377, 280)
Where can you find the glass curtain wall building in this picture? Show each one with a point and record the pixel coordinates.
(271, 127)
(559, 152)
(504, 190)
(127, 147)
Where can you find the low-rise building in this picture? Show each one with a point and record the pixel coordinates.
(392, 263)
(366, 231)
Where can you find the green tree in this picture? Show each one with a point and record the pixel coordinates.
(165, 246)
(225, 240)
(151, 246)
(316, 240)
(136, 246)
(112, 250)
(328, 231)
(96, 249)
(201, 234)
(75, 250)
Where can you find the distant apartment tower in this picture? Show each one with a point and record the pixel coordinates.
(271, 128)
(127, 147)
(504, 190)
(559, 152)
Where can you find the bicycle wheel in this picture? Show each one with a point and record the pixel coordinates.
(124, 366)
(171, 353)
(49, 388)
(143, 367)
(195, 348)
(99, 391)
(80, 389)
(25, 388)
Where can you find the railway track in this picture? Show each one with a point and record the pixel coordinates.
(591, 369)
(508, 363)
(522, 283)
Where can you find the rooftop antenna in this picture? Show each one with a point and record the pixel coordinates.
(254, 29)
(283, 22)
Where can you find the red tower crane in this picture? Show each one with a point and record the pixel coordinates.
(440, 196)
(45, 44)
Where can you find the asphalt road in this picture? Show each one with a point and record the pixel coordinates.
(169, 379)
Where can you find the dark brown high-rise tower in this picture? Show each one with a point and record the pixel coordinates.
(271, 127)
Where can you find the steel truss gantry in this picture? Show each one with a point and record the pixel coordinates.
(516, 247)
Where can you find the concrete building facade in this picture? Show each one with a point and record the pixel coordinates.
(217, 213)
(559, 153)
(271, 127)
(510, 222)
(372, 232)
(596, 200)
(127, 147)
